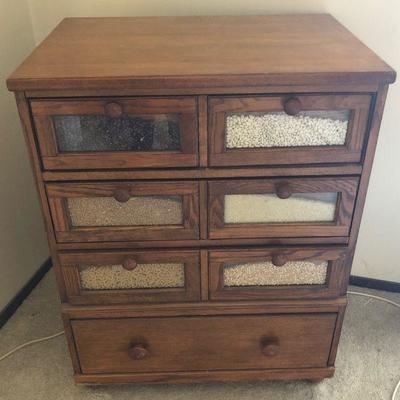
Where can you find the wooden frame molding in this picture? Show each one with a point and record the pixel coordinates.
(209, 376)
(221, 107)
(65, 232)
(346, 187)
(335, 284)
(53, 159)
(70, 263)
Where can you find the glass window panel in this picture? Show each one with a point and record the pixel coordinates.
(266, 274)
(144, 276)
(278, 129)
(269, 208)
(141, 210)
(76, 133)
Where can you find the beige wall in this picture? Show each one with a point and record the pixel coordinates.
(46, 13)
(376, 23)
(22, 241)
(373, 21)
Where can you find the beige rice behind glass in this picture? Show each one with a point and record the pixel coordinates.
(266, 274)
(277, 129)
(144, 276)
(140, 210)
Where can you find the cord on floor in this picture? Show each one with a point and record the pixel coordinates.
(372, 296)
(393, 303)
(349, 292)
(43, 339)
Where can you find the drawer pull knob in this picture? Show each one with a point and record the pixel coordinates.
(292, 106)
(122, 195)
(270, 348)
(138, 352)
(279, 260)
(283, 191)
(113, 110)
(129, 264)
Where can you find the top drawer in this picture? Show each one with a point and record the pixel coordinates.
(304, 129)
(117, 133)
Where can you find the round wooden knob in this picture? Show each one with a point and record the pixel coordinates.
(283, 190)
(270, 348)
(292, 106)
(122, 195)
(279, 260)
(129, 264)
(113, 110)
(138, 352)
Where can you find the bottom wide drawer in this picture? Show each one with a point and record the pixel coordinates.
(204, 343)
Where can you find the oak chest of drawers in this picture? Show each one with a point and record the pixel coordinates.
(202, 180)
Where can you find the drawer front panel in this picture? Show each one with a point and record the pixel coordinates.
(131, 277)
(305, 129)
(252, 274)
(204, 343)
(124, 211)
(117, 133)
(292, 207)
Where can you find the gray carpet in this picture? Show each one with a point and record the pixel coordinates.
(367, 365)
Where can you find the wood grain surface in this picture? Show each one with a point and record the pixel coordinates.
(198, 51)
(204, 343)
(202, 68)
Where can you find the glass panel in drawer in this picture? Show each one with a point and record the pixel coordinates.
(129, 133)
(269, 208)
(116, 277)
(86, 133)
(124, 211)
(287, 129)
(278, 129)
(272, 273)
(140, 210)
(143, 276)
(264, 273)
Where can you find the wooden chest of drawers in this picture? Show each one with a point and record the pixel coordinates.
(202, 180)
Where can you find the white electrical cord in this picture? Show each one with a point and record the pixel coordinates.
(62, 332)
(375, 297)
(393, 303)
(30, 343)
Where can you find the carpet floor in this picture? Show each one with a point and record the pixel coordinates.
(368, 361)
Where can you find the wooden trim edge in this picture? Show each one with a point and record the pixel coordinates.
(208, 376)
(380, 76)
(371, 283)
(8, 311)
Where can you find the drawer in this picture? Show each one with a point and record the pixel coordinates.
(259, 274)
(96, 212)
(131, 277)
(204, 343)
(287, 207)
(298, 129)
(117, 133)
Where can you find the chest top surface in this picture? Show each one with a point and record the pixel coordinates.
(198, 51)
